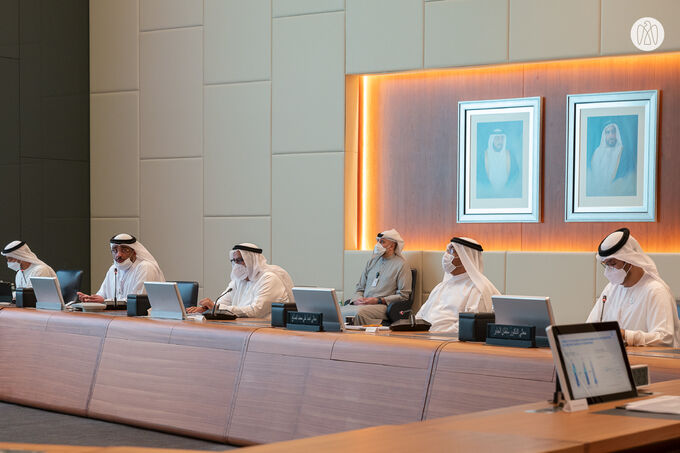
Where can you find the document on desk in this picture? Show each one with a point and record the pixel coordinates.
(668, 404)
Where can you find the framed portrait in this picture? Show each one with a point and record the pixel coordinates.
(499, 147)
(611, 157)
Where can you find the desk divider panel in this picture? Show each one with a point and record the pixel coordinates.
(354, 381)
(47, 362)
(473, 377)
(169, 375)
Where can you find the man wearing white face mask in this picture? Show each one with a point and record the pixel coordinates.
(132, 266)
(636, 296)
(386, 279)
(254, 285)
(463, 289)
(25, 263)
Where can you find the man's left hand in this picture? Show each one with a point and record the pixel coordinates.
(366, 301)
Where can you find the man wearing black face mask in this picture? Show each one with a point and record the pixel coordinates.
(132, 266)
(636, 296)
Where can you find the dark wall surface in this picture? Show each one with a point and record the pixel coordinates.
(44, 131)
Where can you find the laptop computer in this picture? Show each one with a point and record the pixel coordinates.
(165, 299)
(320, 300)
(525, 311)
(591, 362)
(47, 293)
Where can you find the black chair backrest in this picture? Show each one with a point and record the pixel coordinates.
(70, 282)
(414, 274)
(189, 293)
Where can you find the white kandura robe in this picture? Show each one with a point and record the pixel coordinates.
(253, 299)
(23, 278)
(453, 295)
(646, 311)
(130, 281)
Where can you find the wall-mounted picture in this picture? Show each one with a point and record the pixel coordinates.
(611, 157)
(499, 147)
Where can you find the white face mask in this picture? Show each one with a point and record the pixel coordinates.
(447, 264)
(14, 265)
(239, 271)
(379, 249)
(616, 276)
(125, 265)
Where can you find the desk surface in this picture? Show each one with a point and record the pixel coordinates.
(267, 384)
(514, 428)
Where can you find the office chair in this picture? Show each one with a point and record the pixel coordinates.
(189, 293)
(394, 309)
(70, 282)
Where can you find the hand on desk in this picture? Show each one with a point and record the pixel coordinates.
(366, 301)
(203, 305)
(87, 298)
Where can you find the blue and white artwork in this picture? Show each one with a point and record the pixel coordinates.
(499, 159)
(612, 155)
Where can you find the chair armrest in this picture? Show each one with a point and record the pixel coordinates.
(394, 309)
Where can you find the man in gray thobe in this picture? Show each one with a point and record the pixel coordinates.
(386, 279)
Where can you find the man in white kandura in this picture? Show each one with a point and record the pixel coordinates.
(497, 160)
(463, 289)
(25, 263)
(636, 296)
(253, 287)
(385, 279)
(606, 158)
(132, 266)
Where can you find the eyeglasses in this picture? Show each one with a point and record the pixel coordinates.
(609, 263)
(237, 260)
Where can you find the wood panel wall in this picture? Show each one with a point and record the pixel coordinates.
(410, 138)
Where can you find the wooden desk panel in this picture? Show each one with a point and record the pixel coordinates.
(473, 377)
(170, 387)
(385, 350)
(24, 318)
(292, 342)
(141, 329)
(286, 397)
(51, 370)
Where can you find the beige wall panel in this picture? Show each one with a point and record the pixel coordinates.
(459, 33)
(296, 7)
(172, 216)
(668, 265)
(101, 231)
(354, 264)
(114, 154)
(384, 35)
(618, 17)
(171, 98)
(307, 217)
(237, 40)
(114, 45)
(432, 272)
(221, 234)
(308, 83)
(567, 278)
(494, 269)
(159, 14)
(237, 149)
(551, 29)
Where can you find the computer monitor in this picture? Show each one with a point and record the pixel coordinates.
(320, 300)
(47, 293)
(591, 362)
(165, 299)
(525, 311)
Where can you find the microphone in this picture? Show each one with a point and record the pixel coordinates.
(604, 299)
(411, 317)
(115, 288)
(218, 298)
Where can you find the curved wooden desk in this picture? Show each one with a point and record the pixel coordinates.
(243, 383)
